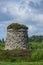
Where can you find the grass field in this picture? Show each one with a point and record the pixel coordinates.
(22, 63)
(2, 45)
(36, 45)
(36, 57)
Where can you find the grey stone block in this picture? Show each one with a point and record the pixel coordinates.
(16, 39)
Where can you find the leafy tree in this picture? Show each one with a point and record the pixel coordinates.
(3, 40)
(36, 38)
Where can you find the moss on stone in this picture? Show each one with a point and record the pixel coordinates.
(17, 26)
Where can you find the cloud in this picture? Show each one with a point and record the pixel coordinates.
(22, 10)
(32, 28)
(28, 12)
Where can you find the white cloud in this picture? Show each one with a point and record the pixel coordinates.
(0, 25)
(26, 1)
(32, 28)
(4, 10)
(22, 12)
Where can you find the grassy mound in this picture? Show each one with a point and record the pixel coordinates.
(17, 26)
(21, 55)
(15, 55)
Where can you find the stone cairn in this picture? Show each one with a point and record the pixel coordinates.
(17, 37)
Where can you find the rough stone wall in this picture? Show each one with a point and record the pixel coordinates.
(16, 39)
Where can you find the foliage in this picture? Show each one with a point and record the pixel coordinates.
(15, 55)
(3, 40)
(21, 63)
(34, 53)
(36, 38)
(37, 55)
(16, 26)
(35, 45)
(21, 55)
(2, 45)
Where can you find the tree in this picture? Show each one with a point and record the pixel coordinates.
(36, 38)
(3, 40)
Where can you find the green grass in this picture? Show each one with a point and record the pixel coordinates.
(21, 63)
(36, 45)
(2, 45)
(18, 55)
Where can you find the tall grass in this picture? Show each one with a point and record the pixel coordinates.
(35, 45)
(34, 53)
(21, 63)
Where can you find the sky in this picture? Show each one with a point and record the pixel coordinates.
(27, 12)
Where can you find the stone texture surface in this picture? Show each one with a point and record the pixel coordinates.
(16, 39)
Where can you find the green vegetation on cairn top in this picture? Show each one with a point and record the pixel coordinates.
(17, 26)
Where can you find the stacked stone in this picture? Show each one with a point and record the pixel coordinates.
(16, 39)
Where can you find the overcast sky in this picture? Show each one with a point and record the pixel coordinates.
(28, 12)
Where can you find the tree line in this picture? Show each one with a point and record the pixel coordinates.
(2, 40)
(35, 38)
